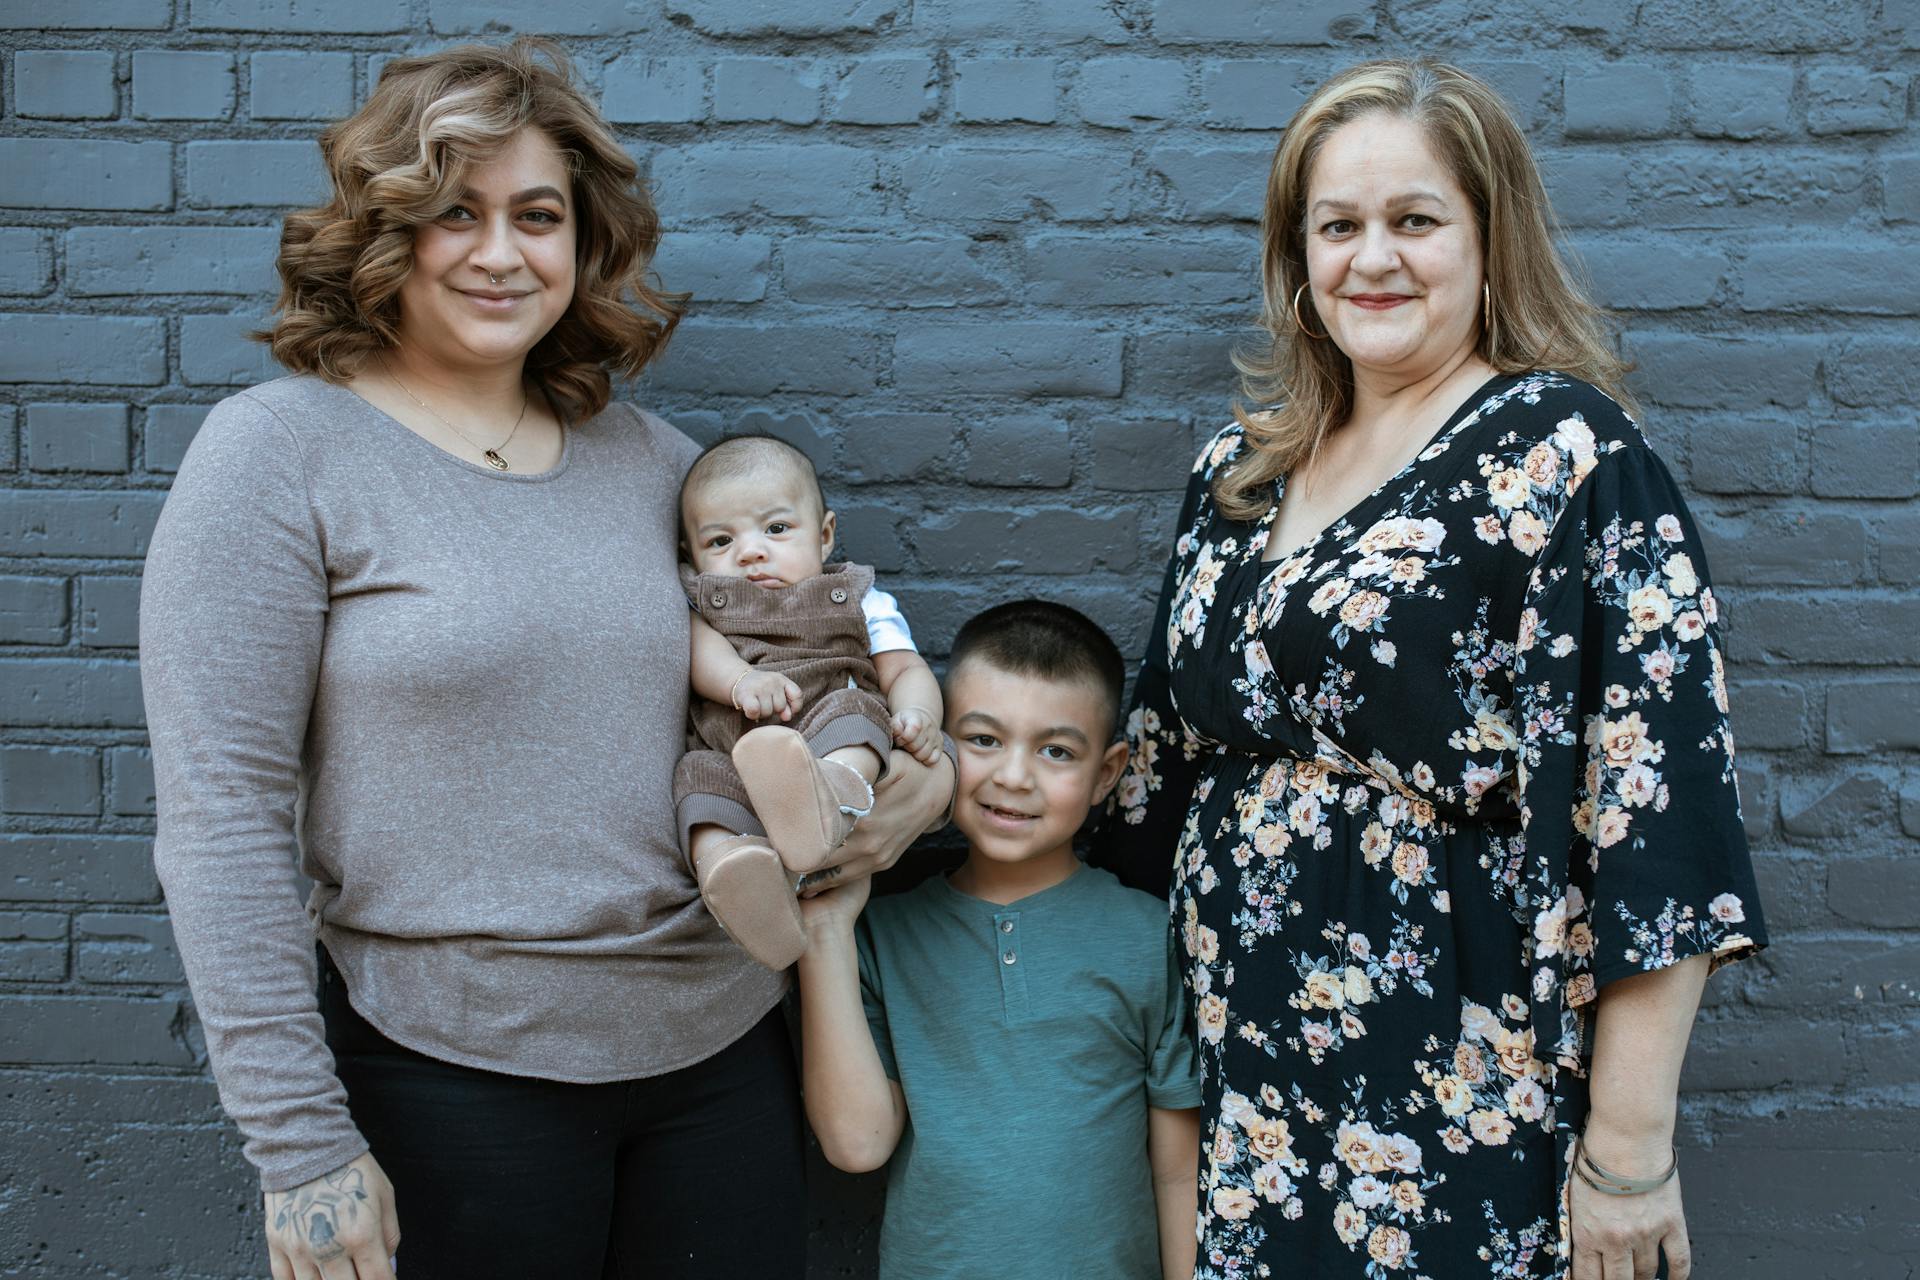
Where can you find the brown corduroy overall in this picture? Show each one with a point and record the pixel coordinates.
(813, 633)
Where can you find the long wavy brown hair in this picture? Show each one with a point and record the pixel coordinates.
(1297, 389)
(401, 160)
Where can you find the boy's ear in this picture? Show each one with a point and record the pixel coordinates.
(1112, 765)
(826, 536)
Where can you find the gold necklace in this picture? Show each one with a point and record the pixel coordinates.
(492, 455)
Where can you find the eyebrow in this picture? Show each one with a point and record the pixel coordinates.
(523, 197)
(1052, 731)
(1406, 197)
(768, 514)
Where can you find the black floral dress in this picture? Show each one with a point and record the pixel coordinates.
(1423, 787)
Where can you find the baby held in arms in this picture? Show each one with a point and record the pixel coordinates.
(804, 677)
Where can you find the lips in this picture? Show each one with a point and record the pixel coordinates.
(491, 301)
(1009, 817)
(1378, 301)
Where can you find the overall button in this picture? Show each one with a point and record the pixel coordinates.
(1007, 957)
(838, 595)
(1006, 926)
(718, 599)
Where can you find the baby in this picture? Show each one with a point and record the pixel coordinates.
(778, 634)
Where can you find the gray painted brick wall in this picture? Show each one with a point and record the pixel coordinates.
(984, 260)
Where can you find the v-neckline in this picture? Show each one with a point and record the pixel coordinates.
(1444, 433)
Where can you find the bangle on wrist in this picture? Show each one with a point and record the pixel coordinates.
(733, 690)
(1613, 1184)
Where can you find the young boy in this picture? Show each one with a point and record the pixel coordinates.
(1012, 1036)
(781, 636)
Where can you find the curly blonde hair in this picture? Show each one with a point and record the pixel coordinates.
(401, 160)
(1298, 389)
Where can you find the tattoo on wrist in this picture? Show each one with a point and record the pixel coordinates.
(314, 1213)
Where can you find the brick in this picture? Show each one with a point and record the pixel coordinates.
(1747, 453)
(654, 90)
(9, 450)
(884, 91)
(1309, 22)
(1032, 450)
(1867, 372)
(556, 17)
(95, 525)
(766, 89)
(95, 15)
(52, 780)
(888, 447)
(1843, 628)
(1618, 100)
(33, 610)
(1209, 184)
(1818, 808)
(1189, 367)
(1686, 371)
(95, 1030)
(1021, 359)
(1585, 187)
(1853, 100)
(77, 868)
(1526, 88)
(1769, 715)
(715, 267)
(1757, 800)
(1787, 548)
(109, 612)
(784, 18)
(1873, 716)
(1899, 540)
(1051, 21)
(98, 350)
(216, 350)
(110, 946)
(1903, 22)
(1803, 276)
(77, 437)
(1001, 90)
(938, 613)
(1653, 275)
(64, 84)
(1005, 185)
(130, 782)
(1738, 1054)
(1737, 24)
(1141, 456)
(1120, 93)
(748, 360)
(1252, 93)
(26, 260)
(1742, 187)
(105, 261)
(173, 84)
(871, 535)
(229, 175)
(69, 693)
(33, 946)
(85, 173)
(1740, 101)
(1814, 974)
(1084, 270)
(802, 430)
(804, 180)
(892, 271)
(1050, 541)
(329, 17)
(1900, 187)
(1910, 808)
(300, 85)
(1866, 460)
(170, 429)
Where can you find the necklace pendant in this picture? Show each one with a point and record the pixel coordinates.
(495, 461)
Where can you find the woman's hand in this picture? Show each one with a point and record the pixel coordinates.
(763, 694)
(908, 802)
(1622, 1237)
(340, 1226)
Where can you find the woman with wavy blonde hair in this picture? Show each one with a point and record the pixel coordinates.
(424, 594)
(1431, 743)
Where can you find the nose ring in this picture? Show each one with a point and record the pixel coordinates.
(494, 279)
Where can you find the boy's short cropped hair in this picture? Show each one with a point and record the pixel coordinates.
(746, 454)
(1047, 640)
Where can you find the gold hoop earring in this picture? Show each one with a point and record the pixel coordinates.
(1298, 323)
(1486, 315)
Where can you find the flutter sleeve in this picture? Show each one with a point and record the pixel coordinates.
(1139, 834)
(233, 609)
(1629, 806)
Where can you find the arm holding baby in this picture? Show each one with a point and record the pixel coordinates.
(857, 1111)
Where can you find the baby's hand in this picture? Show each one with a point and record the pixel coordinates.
(762, 694)
(917, 734)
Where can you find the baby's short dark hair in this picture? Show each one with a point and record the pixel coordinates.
(745, 454)
(1046, 640)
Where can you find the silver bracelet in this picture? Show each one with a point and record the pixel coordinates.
(1613, 1184)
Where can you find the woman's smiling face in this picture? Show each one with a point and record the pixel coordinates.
(1394, 261)
(496, 270)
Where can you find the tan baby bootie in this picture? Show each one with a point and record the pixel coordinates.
(808, 805)
(747, 889)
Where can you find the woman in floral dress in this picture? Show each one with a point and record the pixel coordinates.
(1432, 737)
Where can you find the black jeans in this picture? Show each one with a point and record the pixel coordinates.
(695, 1174)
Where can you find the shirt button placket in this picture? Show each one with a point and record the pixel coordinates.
(1013, 973)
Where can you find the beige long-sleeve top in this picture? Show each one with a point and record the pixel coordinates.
(482, 678)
